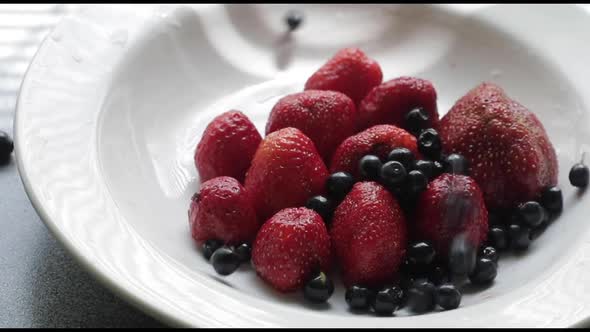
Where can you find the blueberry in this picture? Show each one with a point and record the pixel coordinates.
(318, 289)
(421, 297)
(490, 253)
(393, 173)
(462, 256)
(339, 184)
(579, 175)
(448, 296)
(456, 164)
(438, 275)
(225, 261)
(416, 182)
(403, 155)
(6, 147)
(209, 247)
(370, 167)
(359, 297)
(439, 168)
(537, 231)
(498, 237)
(322, 206)
(494, 218)
(244, 252)
(552, 199)
(485, 271)
(426, 167)
(429, 143)
(519, 236)
(421, 253)
(531, 213)
(416, 120)
(293, 19)
(388, 300)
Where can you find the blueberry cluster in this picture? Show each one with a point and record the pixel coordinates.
(338, 185)
(226, 259)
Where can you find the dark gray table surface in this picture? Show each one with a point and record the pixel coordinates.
(40, 283)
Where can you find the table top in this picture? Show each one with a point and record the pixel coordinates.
(41, 284)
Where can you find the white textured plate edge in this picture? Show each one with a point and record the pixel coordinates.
(53, 163)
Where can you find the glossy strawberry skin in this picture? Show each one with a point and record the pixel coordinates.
(349, 71)
(291, 246)
(286, 171)
(369, 235)
(508, 150)
(452, 204)
(223, 210)
(326, 117)
(389, 102)
(227, 147)
(378, 140)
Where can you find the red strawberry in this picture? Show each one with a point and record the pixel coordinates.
(290, 247)
(368, 235)
(223, 210)
(285, 172)
(349, 71)
(227, 147)
(391, 101)
(378, 140)
(327, 117)
(509, 152)
(451, 204)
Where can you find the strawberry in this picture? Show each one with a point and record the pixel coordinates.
(286, 170)
(389, 103)
(291, 246)
(508, 150)
(368, 235)
(226, 147)
(378, 140)
(327, 117)
(451, 204)
(223, 210)
(349, 71)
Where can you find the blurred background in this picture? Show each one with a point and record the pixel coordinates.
(40, 283)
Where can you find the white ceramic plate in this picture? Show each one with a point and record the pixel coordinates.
(117, 97)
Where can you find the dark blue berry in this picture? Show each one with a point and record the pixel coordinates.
(294, 19)
(485, 271)
(244, 252)
(421, 297)
(494, 219)
(339, 184)
(426, 167)
(552, 199)
(421, 253)
(579, 175)
(498, 237)
(359, 297)
(322, 206)
(416, 182)
(456, 164)
(403, 155)
(448, 296)
(416, 120)
(438, 275)
(370, 167)
(531, 213)
(393, 173)
(209, 247)
(318, 289)
(537, 231)
(225, 261)
(6, 147)
(388, 300)
(490, 253)
(462, 256)
(429, 144)
(519, 236)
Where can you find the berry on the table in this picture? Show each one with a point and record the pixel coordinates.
(456, 164)
(416, 120)
(429, 143)
(579, 175)
(421, 297)
(416, 182)
(439, 168)
(244, 252)
(359, 297)
(462, 256)
(485, 271)
(421, 253)
(427, 168)
(339, 184)
(6, 147)
(322, 206)
(519, 236)
(438, 274)
(209, 247)
(498, 237)
(393, 172)
(225, 261)
(403, 155)
(552, 199)
(370, 167)
(490, 253)
(318, 289)
(293, 18)
(531, 213)
(388, 300)
(448, 296)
